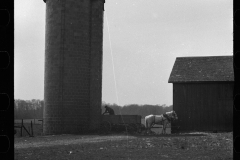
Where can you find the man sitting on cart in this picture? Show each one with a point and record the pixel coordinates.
(109, 110)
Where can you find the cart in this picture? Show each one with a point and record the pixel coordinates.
(118, 123)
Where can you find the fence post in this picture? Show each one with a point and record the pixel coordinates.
(29, 129)
(32, 127)
(42, 124)
(21, 127)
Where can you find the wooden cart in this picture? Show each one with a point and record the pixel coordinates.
(118, 123)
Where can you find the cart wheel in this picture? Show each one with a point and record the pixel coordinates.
(118, 127)
(141, 127)
(105, 127)
(133, 127)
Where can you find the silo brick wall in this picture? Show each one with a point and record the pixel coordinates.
(73, 66)
(96, 63)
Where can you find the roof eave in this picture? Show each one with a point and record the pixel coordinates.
(201, 81)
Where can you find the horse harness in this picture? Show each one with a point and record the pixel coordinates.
(167, 117)
(164, 115)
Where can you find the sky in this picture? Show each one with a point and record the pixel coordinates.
(141, 40)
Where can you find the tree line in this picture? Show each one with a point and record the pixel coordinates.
(33, 109)
(28, 109)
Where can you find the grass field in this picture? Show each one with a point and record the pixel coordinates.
(212, 146)
(135, 146)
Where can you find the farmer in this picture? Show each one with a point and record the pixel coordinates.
(109, 110)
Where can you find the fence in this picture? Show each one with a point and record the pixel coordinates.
(33, 125)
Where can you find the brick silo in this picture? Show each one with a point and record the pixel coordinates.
(73, 66)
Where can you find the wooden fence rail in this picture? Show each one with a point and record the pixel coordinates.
(23, 127)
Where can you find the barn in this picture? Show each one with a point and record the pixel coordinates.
(203, 93)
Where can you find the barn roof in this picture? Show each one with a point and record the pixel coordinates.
(202, 69)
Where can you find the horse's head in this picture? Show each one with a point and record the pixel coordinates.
(174, 114)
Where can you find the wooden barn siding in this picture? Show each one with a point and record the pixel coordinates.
(203, 106)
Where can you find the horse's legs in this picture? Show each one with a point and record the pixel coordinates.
(146, 124)
(164, 128)
(146, 129)
(151, 127)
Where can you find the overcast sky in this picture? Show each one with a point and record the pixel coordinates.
(146, 37)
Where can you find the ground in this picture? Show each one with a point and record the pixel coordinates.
(124, 146)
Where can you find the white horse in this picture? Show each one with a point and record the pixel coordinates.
(163, 119)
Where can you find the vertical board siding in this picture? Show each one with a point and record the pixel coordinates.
(203, 106)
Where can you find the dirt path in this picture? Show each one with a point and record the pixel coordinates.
(46, 141)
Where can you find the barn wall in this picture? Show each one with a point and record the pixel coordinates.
(203, 106)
